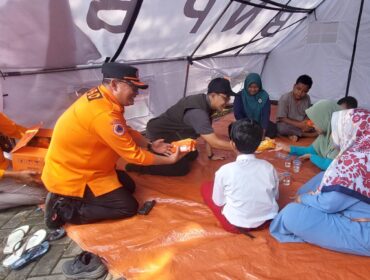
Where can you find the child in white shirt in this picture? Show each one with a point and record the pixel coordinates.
(244, 192)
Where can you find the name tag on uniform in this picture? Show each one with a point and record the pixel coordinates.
(93, 94)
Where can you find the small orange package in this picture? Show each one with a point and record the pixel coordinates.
(309, 123)
(185, 145)
(266, 144)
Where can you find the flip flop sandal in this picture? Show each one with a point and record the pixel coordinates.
(15, 239)
(31, 255)
(32, 241)
(56, 234)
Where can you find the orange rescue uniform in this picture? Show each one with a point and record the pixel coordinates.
(88, 139)
(10, 129)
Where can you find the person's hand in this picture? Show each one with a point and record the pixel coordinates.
(303, 125)
(160, 147)
(314, 192)
(27, 176)
(282, 147)
(305, 157)
(176, 156)
(293, 138)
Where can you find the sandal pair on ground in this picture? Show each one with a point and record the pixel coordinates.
(23, 248)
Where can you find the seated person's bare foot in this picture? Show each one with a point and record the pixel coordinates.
(293, 138)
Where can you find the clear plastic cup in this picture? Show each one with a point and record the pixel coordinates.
(286, 179)
(296, 165)
(280, 155)
(288, 162)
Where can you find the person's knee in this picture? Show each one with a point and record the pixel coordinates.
(130, 207)
(290, 215)
(126, 180)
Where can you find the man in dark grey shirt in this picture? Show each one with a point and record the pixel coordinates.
(291, 115)
(190, 117)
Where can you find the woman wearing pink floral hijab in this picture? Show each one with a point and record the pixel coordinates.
(334, 211)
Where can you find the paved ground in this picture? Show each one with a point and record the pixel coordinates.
(49, 266)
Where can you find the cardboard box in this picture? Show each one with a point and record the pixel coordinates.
(30, 151)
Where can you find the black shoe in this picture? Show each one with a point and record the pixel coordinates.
(56, 234)
(52, 204)
(85, 266)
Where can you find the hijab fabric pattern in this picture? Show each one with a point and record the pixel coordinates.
(253, 104)
(320, 114)
(349, 173)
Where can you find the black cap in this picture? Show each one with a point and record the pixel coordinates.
(220, 85)
(121, 71)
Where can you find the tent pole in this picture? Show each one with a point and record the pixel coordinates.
(128, 31)
(354, 47)
(285, 6)
(209, 30)
(238, 52)
(241, 45)
(7, 74)
(186, 78)
(280, 9)
(266, 1)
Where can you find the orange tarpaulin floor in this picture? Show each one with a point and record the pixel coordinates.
(181, 239)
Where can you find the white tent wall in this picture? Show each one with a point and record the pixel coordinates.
(42, 34)
(166, 86)
(322, 47)
(48, 35)
(48, 95)
(31, 99)
(235, 68)
(360, 82)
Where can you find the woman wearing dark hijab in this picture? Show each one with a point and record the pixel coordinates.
(253, 103)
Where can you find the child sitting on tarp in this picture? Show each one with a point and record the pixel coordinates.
(243, 195)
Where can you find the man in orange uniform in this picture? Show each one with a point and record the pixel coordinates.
(14, 194)
(88, 139)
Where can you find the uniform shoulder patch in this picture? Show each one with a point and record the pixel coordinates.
(118, 129)
(93, 94)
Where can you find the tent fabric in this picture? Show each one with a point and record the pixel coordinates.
(322, 47)
(52, 50)
(66, 33)
(167, 82)
(46, 46)
(181, 239)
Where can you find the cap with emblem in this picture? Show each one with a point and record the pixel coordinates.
(220, 85)
(121, 71)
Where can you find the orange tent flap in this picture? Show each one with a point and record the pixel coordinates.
(181, 239)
